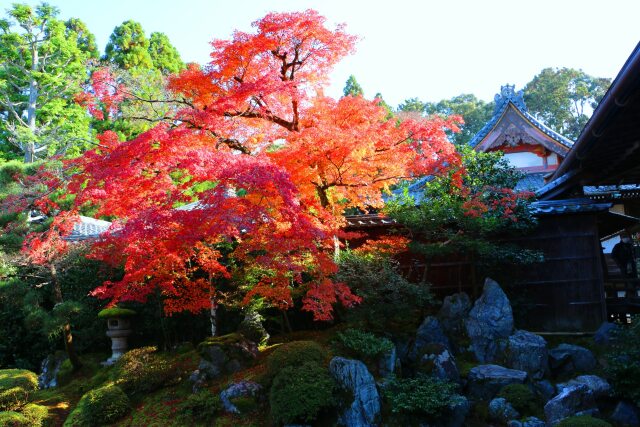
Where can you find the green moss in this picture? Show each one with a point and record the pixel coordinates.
(143, 370)
(522, 399)
(294, 354)
(583, 421)
(362, 344)
(233, 345)
(13, 419)
(35, 414)
(15, 387)
(108, 313)
(101, 406)
(201, 406)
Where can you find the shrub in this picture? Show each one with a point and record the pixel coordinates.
(13, 419)
(421, 395)
(15, 387)
(142, 370)
(521, 398)
(294, 354)
(623, 361)
(201, 406)
(65, 372)
(101, 406)
(35, 414)
(300, 393)
(363, 344)
(583, 421)
(389, 301)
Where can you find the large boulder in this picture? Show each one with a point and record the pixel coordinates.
(353, 376)
(528, 352)
(438, 361)
(430, 332)
(544, 389)
(239, 389)
(502, 411)
(598, 386)
(456, 413)
(567, 359)
(490, 323)
(570, 401)
(485, 381)
(626, 415)
(453, 312)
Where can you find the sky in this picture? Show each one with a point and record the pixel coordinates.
(407, 48)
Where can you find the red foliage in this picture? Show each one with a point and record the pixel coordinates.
(271, 162)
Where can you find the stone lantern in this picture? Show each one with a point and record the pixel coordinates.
(118, 329)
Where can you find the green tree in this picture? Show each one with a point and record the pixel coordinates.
(42, 67)
(475, 113)
(412, 105)
(85, 39)
(462, 213)
(352, 87)
(128, 47)
(564, 98)
(164, 55)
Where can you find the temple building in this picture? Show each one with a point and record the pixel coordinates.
(528, 144)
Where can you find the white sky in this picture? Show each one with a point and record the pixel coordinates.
(408, 48)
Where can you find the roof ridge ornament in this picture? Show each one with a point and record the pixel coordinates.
(508, 94)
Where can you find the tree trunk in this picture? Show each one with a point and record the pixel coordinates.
(66, 329)
(30, 149)
(324, 202)
(213, 309)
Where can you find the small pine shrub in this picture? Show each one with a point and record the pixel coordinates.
(422, 395)
(13, 419)
(15, 387)
(623, 361)
(521, 398)
(101, 406)
(294, 354)
(201, 406)
(583, 421)
(142, 370)
(300, 393)
(361, 344)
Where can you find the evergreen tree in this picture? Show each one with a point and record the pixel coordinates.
(128, 47)
(164, 55)
(352, 87)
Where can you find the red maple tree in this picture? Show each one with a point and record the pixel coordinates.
(266, 165)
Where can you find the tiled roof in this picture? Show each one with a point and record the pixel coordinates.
(508, 96)
(557, 207)
(531, 182)
(87, 228)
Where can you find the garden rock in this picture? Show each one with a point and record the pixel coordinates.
(429, 332)
(501, 410)
(529, 422)
(528, 352)
(626, 415)
(454, 310)
(566, 359)
(387, 362)
(49, 370)
(239, 389)
(570, 401)
(353, 375)
(440, 363)
(226, 354)
(604, 334)
(457, 412)
(485, 381)
(490, 323)
(598, 386)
